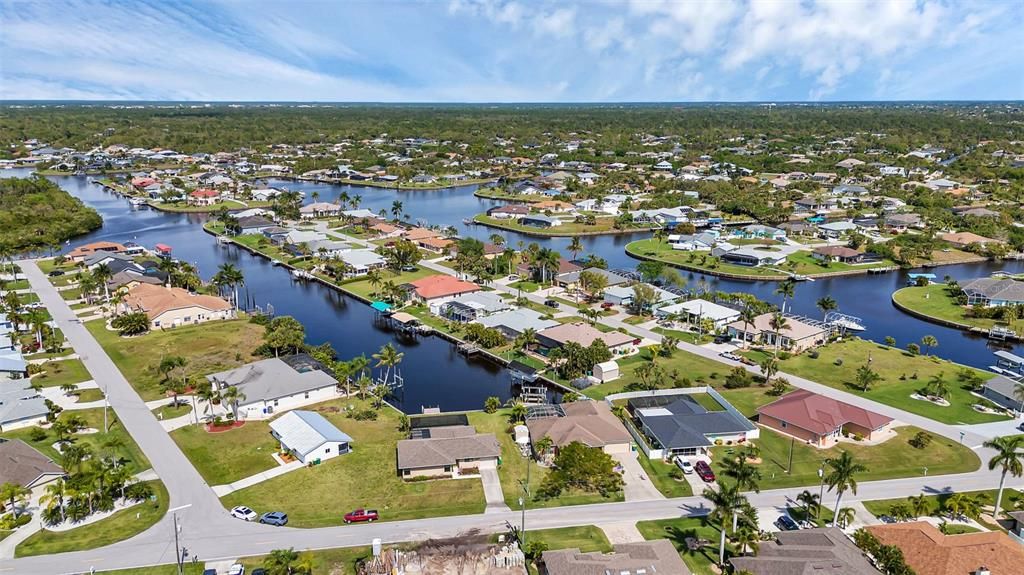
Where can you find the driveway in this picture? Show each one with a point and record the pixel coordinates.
(638, 486)
(492, 491)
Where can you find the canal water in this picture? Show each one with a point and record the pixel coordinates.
(435, 375)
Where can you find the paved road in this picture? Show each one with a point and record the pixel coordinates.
(210, 533)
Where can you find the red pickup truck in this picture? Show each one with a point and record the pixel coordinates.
(360, 515)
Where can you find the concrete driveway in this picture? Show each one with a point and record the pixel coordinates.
(638, 486)
(492, 491)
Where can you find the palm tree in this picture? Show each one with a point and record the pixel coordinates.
(36, 319)
(517, 410)
(208, 394)
(778, 323)
(960, 505)
(746, 475)
(842, 476)
(68, 388)
(937, 386)
(575, 247)
(527, 338)
(919, 505)
(747, 537)
(827, 304)
(1009, 459)
(388, 357)
(280, 561)
(725, 501)
(809, 500)
(102, 275)
(363, 384)
(769, 367)
(866, 377)
(929, 342)
(14, 493)
(397, 209)
(53, 496)
(233, 396)
(786, 289)
(232, 278)
(845, 516)
(747, 316)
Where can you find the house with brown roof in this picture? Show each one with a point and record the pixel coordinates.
(22, 464)
(447, 451)
(648, 557)
(417, 234)
(821, 420)
(821, 551)
(796, 336)
(81, 252)
(203, 197)
(841, 254)
(435, 244)
(386, 230)
(438, 289)
(173, 306)
(585, 334)
(964, 239)
(928, 552)
(591, 423)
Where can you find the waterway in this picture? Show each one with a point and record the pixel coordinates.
(435, 375)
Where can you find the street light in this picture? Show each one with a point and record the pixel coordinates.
(821, 491)
(178, 559)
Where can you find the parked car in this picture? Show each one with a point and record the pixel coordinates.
(236, 569)
(684, 465)
(731, 355)
(607, 305)
(1020, 427)
(360, 515)
(278, 518)
(723, 338)
(786, 523)
(56, 273)
(209, 572)
(244, 513)
(551, 303)
(258, 571)
(512, 277)
(704, 471)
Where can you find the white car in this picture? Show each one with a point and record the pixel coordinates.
(244, 513)
(730, 355)
(236, 569)
(684, 465)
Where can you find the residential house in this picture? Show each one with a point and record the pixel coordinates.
(752, 255)
(79, 254)
(841, 254)
(527, 270)
(309, 437)
(820, 551)
(979, 213)
(697, 310)
(446, 450)
(473, 306)
(203, 197)
(993, 292)
(677, 424)
(114, 261)
(508, 211)
(538, 221)
(360, 262)
(417, 234)
(438, 289)
(693, 242)
(965, 239)
(572, 279)
(796, 337)
(331, 249)
(821, 421)
(23, 465)
(435, 244)
(1005, 392)
(386, 230)
(320, 210)
(928, 551)
(624, 294)
(647, 557)
(836, 230)
(173, 306)
(759, 231)
(127, 279)
(277, 384)
(585, 334)
(588, 422)
(513, 323)
(850, 190)
(849, 163)
(812, 204)
(20, 404)
(903, 222)
(254, 224)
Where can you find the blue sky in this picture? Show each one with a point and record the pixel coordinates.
(512, 50)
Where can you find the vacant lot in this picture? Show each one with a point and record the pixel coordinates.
(227, 456)
(683, 368)
(57, 373)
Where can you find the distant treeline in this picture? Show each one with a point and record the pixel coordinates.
(35, 213)
(215, 128)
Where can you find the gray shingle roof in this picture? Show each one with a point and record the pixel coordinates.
(679, 422)
(439, 452)
(272, 378)
(18, 401)
(649, 557)
(23, 465)
(993, 288)
(822, 551)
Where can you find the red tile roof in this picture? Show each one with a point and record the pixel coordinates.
(204, 193)
(928, 552)
(820, 414)
(432, 287)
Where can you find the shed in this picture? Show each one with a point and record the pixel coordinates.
(309, 437)
(607, 371)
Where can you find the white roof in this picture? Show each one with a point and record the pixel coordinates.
(838, 226)
(304, 431)
(362, 258)
(703, 308)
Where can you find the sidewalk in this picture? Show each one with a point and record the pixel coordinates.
(222, 490)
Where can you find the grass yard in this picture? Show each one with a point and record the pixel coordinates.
(687, 366)
(525, 285)
(935, 301)
(227, 456)
(892, 459)
(747, 399)
(118, 527)
(171, 411)
(325, 561)
(362, 287)
(321, 495)
(935, 503)
(171, 569)
(208, 347)
(603, 225)
(14, 285)
(659, 473)
(89, 395)
(128, 451)
(57, 373)
(677, 530)
(586, 538)
(514, 467)
(892, 365)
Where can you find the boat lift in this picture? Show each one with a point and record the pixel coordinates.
(844, 321)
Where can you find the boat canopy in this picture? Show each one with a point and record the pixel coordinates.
(380, 306)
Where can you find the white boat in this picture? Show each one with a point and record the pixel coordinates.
(849, 325)
(137, 201)
(301, 275)
(223, 240)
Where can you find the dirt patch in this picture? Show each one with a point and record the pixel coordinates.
(214, 428)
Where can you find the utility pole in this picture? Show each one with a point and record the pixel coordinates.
(522, 505)
(792, 443)
(178, 559)
(106, 402)
(821, 491)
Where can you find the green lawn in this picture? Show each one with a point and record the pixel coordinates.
(658, 472)
(171, 569)
(366, 477)
(57, 373)
(898, 370)
(603, 225)
(525, 285)
(935, 502)
(935, 300)
(889, 460)
(325, 561)
(747, 399)
(208, 347)
(587, 538)
(362, 286)
(684, 365)
(172, 411)
(118, 527)
(89, 395)
(514, 468)
(677, 530)
(227, 456)
(129, 452)
(14, 285)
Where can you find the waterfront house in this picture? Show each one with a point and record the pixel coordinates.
(993, 292)
(438, 289)
(588, 422)
(538, 221)
(115, 261)
(23, 465)
(309, 437)
(417, 234)
(508, 211)
(203, 197)
(1005, 392)
(752, 255)
(473, 306)
(129, 278)
(320, 210)
(20, 404)
(360, 262)
(585, 334)
(173, 306)
(927, 551)
(331, 249)
(623, 295)
(819, 420)
(693, 242)
(677, 424)
(812, 204)
(385, 230)
(965, 239)
(841, 254)
(528, 270)
(513, 323)
(277, 384)
(822, 551)
(446, 446)
(572, 279)
(696, 310)
(836, 230)
(903, 222)
(759, 231)
(435, 244)
(79, 254)
(796, 337)
(645, 557)
(254, 224)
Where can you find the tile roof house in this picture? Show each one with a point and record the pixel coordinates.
(81, 252)
(172, 306)
(821, 551)
(649, 557)
(964, 239)
(588, 422)
(21, 464)
(840, 254)
(928, 552)
(797, 337)
(309, 437)
(820, 420)
(447, 451)
(584, 334)
(437, 289)
(277, 384)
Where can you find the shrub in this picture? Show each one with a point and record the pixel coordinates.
(813, 354)
(921, 440)
(738, 378)
(363, 415)
(838, 361)
(37, 434)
